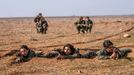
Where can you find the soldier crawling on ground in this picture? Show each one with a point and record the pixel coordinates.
(41, 24)
(111, 52)
(68, 52)
(24, 54)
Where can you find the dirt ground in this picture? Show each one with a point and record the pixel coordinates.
(17, 31)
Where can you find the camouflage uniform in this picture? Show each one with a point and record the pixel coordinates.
(44, 25)
(89, 24)
(38, 18)
(80, 26)
(57, 53)
(122, 53)
(89, 54)
(41, 24)
(20, 58)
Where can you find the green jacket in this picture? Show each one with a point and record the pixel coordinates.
(88, 22)
(29, 56)
(80, 22)
(103, 54)
(39, 19)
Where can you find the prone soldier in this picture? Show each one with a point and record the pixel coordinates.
(24, 54)
(111, 52)
(68, 52)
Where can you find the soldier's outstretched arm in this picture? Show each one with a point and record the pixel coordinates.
(68, 56)
(49, 55)
(72, 56)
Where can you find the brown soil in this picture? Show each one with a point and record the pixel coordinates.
(17, 31)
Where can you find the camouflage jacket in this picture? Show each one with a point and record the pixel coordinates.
(39, 19)
(88, 22)
(103, 54)
(21, 58)
(79, 22)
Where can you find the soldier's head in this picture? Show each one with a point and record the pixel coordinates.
(108, 45)
(24, 50)
(81, 18)
(87, 17)
(68, 49)
(40, 14)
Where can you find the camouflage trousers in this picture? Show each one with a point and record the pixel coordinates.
(88, 28)
(124, 52)
(84, 28)
(41, 28)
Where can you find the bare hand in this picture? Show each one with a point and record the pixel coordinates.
(60, 57)
(113, 56)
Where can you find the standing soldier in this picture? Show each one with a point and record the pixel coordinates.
(41, 23)
(89, 24)
(38, 18)
(80, 25)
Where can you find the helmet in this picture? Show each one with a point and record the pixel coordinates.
(40, 13)
(107, 43)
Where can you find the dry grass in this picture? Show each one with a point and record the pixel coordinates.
(15, 32)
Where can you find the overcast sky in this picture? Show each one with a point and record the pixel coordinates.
(29, 8)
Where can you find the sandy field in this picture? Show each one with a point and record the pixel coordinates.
(17, 31)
